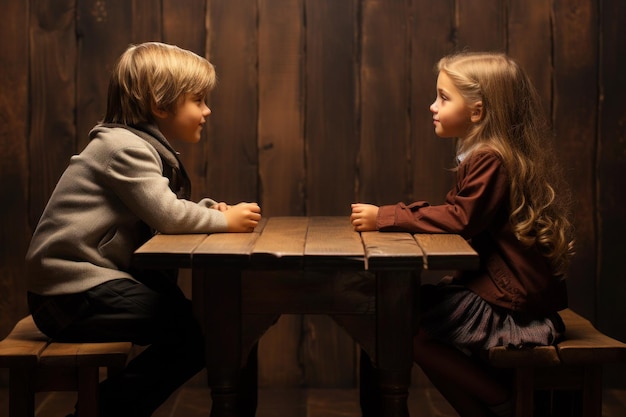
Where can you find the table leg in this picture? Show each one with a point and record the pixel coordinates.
(217, 303)
(369, 390)
(247, 398)
(394, 335)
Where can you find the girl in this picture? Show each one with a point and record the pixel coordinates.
(125, 185)
(508, 203)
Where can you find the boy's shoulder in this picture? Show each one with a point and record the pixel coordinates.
(116, 137)
(114, 134)
(106, 142)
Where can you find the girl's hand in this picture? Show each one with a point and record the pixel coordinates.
(242, 217)
(221, 206)
(363, 217)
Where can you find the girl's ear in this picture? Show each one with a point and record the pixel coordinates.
(477, 112)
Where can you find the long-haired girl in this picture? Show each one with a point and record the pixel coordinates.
(510, 204)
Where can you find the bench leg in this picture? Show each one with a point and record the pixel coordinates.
(524, 392)
(88, 391)
(21, 394)
(592, 391)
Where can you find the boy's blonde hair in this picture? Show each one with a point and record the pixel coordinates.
(155, 75)
(514, 126)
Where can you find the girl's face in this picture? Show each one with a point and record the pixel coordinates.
(452, 117)
(187, 122)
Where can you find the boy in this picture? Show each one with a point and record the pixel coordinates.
(125, 185)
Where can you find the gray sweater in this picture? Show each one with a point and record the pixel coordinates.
(105, 204)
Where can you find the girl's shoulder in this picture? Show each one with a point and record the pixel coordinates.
(482, 155)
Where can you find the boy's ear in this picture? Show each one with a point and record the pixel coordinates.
(158, 112)
(477, 112)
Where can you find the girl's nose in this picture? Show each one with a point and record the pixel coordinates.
(433, 107)
(207, 110)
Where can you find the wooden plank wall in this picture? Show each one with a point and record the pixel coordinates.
(319, 103)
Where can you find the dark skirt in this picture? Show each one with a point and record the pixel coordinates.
(454, 314)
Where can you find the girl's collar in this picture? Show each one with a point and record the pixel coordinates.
(461, 156)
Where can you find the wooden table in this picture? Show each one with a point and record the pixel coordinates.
(306, 265)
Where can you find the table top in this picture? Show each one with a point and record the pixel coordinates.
(308, 242)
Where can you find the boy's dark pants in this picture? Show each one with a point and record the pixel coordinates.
(157, 315)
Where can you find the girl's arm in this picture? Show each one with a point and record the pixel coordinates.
(482, 188)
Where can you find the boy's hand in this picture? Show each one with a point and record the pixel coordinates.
(242, 217)
(221, 206)
(363, 217)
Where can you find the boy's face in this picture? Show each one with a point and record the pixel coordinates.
(186, 123)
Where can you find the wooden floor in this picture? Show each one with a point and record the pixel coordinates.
(193, 400)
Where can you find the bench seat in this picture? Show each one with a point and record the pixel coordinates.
(37, 364)
(574, 364)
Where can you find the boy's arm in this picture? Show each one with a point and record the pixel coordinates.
(134, 174)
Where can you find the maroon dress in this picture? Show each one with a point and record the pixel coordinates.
(513, 298)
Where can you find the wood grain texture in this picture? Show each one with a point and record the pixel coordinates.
(282, 170)
(112, 354)
(322, 344)
(537, 356)
(23, 345)
(230, 163)
(225, 248)
(52, 93)
(186, 27)
(490, 17)
(576, 98)
(385, 99)
(432, 35)
(100, 23)
(15, 227)
(391, 250)
(146, 21)
(179, 247)
(330, 126)
(611, 198)
(453, 250)
(325, 293)
(573, 51)
(332, 236)
(282, 238)
(585, 345)
(530, 43)
(281, 118)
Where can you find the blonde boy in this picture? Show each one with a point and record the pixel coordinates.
(127, 184)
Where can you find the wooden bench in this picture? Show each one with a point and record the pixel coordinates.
(36, 364)
(574, 364)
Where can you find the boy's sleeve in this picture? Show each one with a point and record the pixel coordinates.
(207, 202)
(134, 174)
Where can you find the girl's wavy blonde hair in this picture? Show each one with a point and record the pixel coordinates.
(513, 125)
(155, 74)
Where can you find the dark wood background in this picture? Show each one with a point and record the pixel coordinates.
(320, 103)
